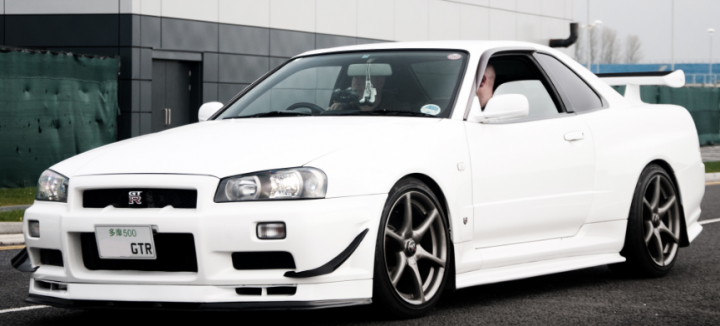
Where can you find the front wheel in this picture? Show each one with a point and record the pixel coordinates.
(653, 232)
(412, 255)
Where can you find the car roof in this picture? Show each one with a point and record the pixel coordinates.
(473, 47)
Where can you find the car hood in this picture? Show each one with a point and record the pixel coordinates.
(237, 146)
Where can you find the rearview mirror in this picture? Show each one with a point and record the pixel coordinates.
(376, 69)
(208, 109)
(500, 108)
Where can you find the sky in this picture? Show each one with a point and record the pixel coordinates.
(652, 21)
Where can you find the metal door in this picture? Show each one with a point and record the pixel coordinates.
(174, 94)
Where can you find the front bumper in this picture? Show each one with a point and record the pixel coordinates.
(317, 232)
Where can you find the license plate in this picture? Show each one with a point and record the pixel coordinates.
(125, 242)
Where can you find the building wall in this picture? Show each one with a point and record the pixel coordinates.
(239, 40)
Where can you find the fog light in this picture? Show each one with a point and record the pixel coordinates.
(274, 230)
(34, 228)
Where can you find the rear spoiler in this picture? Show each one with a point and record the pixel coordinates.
(633, 80)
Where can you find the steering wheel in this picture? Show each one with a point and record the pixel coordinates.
(314, 108)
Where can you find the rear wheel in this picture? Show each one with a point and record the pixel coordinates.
(412, 256)
(654, 228)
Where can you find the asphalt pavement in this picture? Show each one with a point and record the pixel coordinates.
(689, 295)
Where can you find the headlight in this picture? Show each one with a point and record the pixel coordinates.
(52, 187)
(278, 184)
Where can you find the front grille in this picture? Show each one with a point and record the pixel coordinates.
(148, 198)
(263, 260)
(175, 253)
(51, 257)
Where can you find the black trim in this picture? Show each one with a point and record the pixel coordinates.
(254, 260)
(21, 262)
(184, 306)
(333, 264)
(636, 74)
(51, 257)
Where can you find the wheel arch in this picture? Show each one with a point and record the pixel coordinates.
(684, 240)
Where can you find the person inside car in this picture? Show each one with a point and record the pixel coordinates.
(485, 91)
(348, 99)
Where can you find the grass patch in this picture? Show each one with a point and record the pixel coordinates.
(12, 216)
(712, 167)
(17, 196)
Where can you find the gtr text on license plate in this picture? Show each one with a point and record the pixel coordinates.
(125, 242)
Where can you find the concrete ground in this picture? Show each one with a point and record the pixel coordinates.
(689, 295)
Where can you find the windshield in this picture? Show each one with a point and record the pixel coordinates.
(393, 83)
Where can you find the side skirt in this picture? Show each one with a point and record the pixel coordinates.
(501, 274)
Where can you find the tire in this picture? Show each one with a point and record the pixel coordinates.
(654, 228)
(412, 260)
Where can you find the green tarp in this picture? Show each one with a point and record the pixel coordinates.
(703, 104)
(52, 106)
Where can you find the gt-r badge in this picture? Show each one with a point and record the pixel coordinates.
(134, 197)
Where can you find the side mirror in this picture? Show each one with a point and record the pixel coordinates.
(500, 108)
(208, 109)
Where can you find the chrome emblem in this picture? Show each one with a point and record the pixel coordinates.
(134, 197)
(464, 220)
(410, 247)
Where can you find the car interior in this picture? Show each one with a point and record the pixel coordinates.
(519, 74)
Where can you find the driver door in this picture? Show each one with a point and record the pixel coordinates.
(532, 177)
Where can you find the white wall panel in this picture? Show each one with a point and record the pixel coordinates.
(529, 28)
(296, 15)
(129, 6)
(411, 20)
(484, 3)
(151, 7)
(530, 6)
(569, 9)
(61, 7)
(474, 23)
(502, 25)
(376, 19)
(553, 8)
(204, 10)
(503, 4)
(337, 17)
(245, 12)
(2, 7)
(444, 20)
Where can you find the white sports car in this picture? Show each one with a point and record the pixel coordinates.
(373, 173)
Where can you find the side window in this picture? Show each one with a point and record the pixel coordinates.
(518, 74)
(575, 92)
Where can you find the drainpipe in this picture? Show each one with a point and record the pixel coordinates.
(557, 43)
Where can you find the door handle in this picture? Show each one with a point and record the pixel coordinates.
(168, 116)
(574, 135)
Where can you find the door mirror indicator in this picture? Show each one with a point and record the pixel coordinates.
(500, 108)
(208, 109)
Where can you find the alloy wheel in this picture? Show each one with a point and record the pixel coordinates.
(415, 247)
(661, 220)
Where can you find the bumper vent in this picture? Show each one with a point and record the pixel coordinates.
(175, 253)
(142, 198)
(263, 260)
(51, 257)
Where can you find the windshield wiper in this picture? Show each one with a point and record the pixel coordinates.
(387, 112)
(270, 114)
(410, 113)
